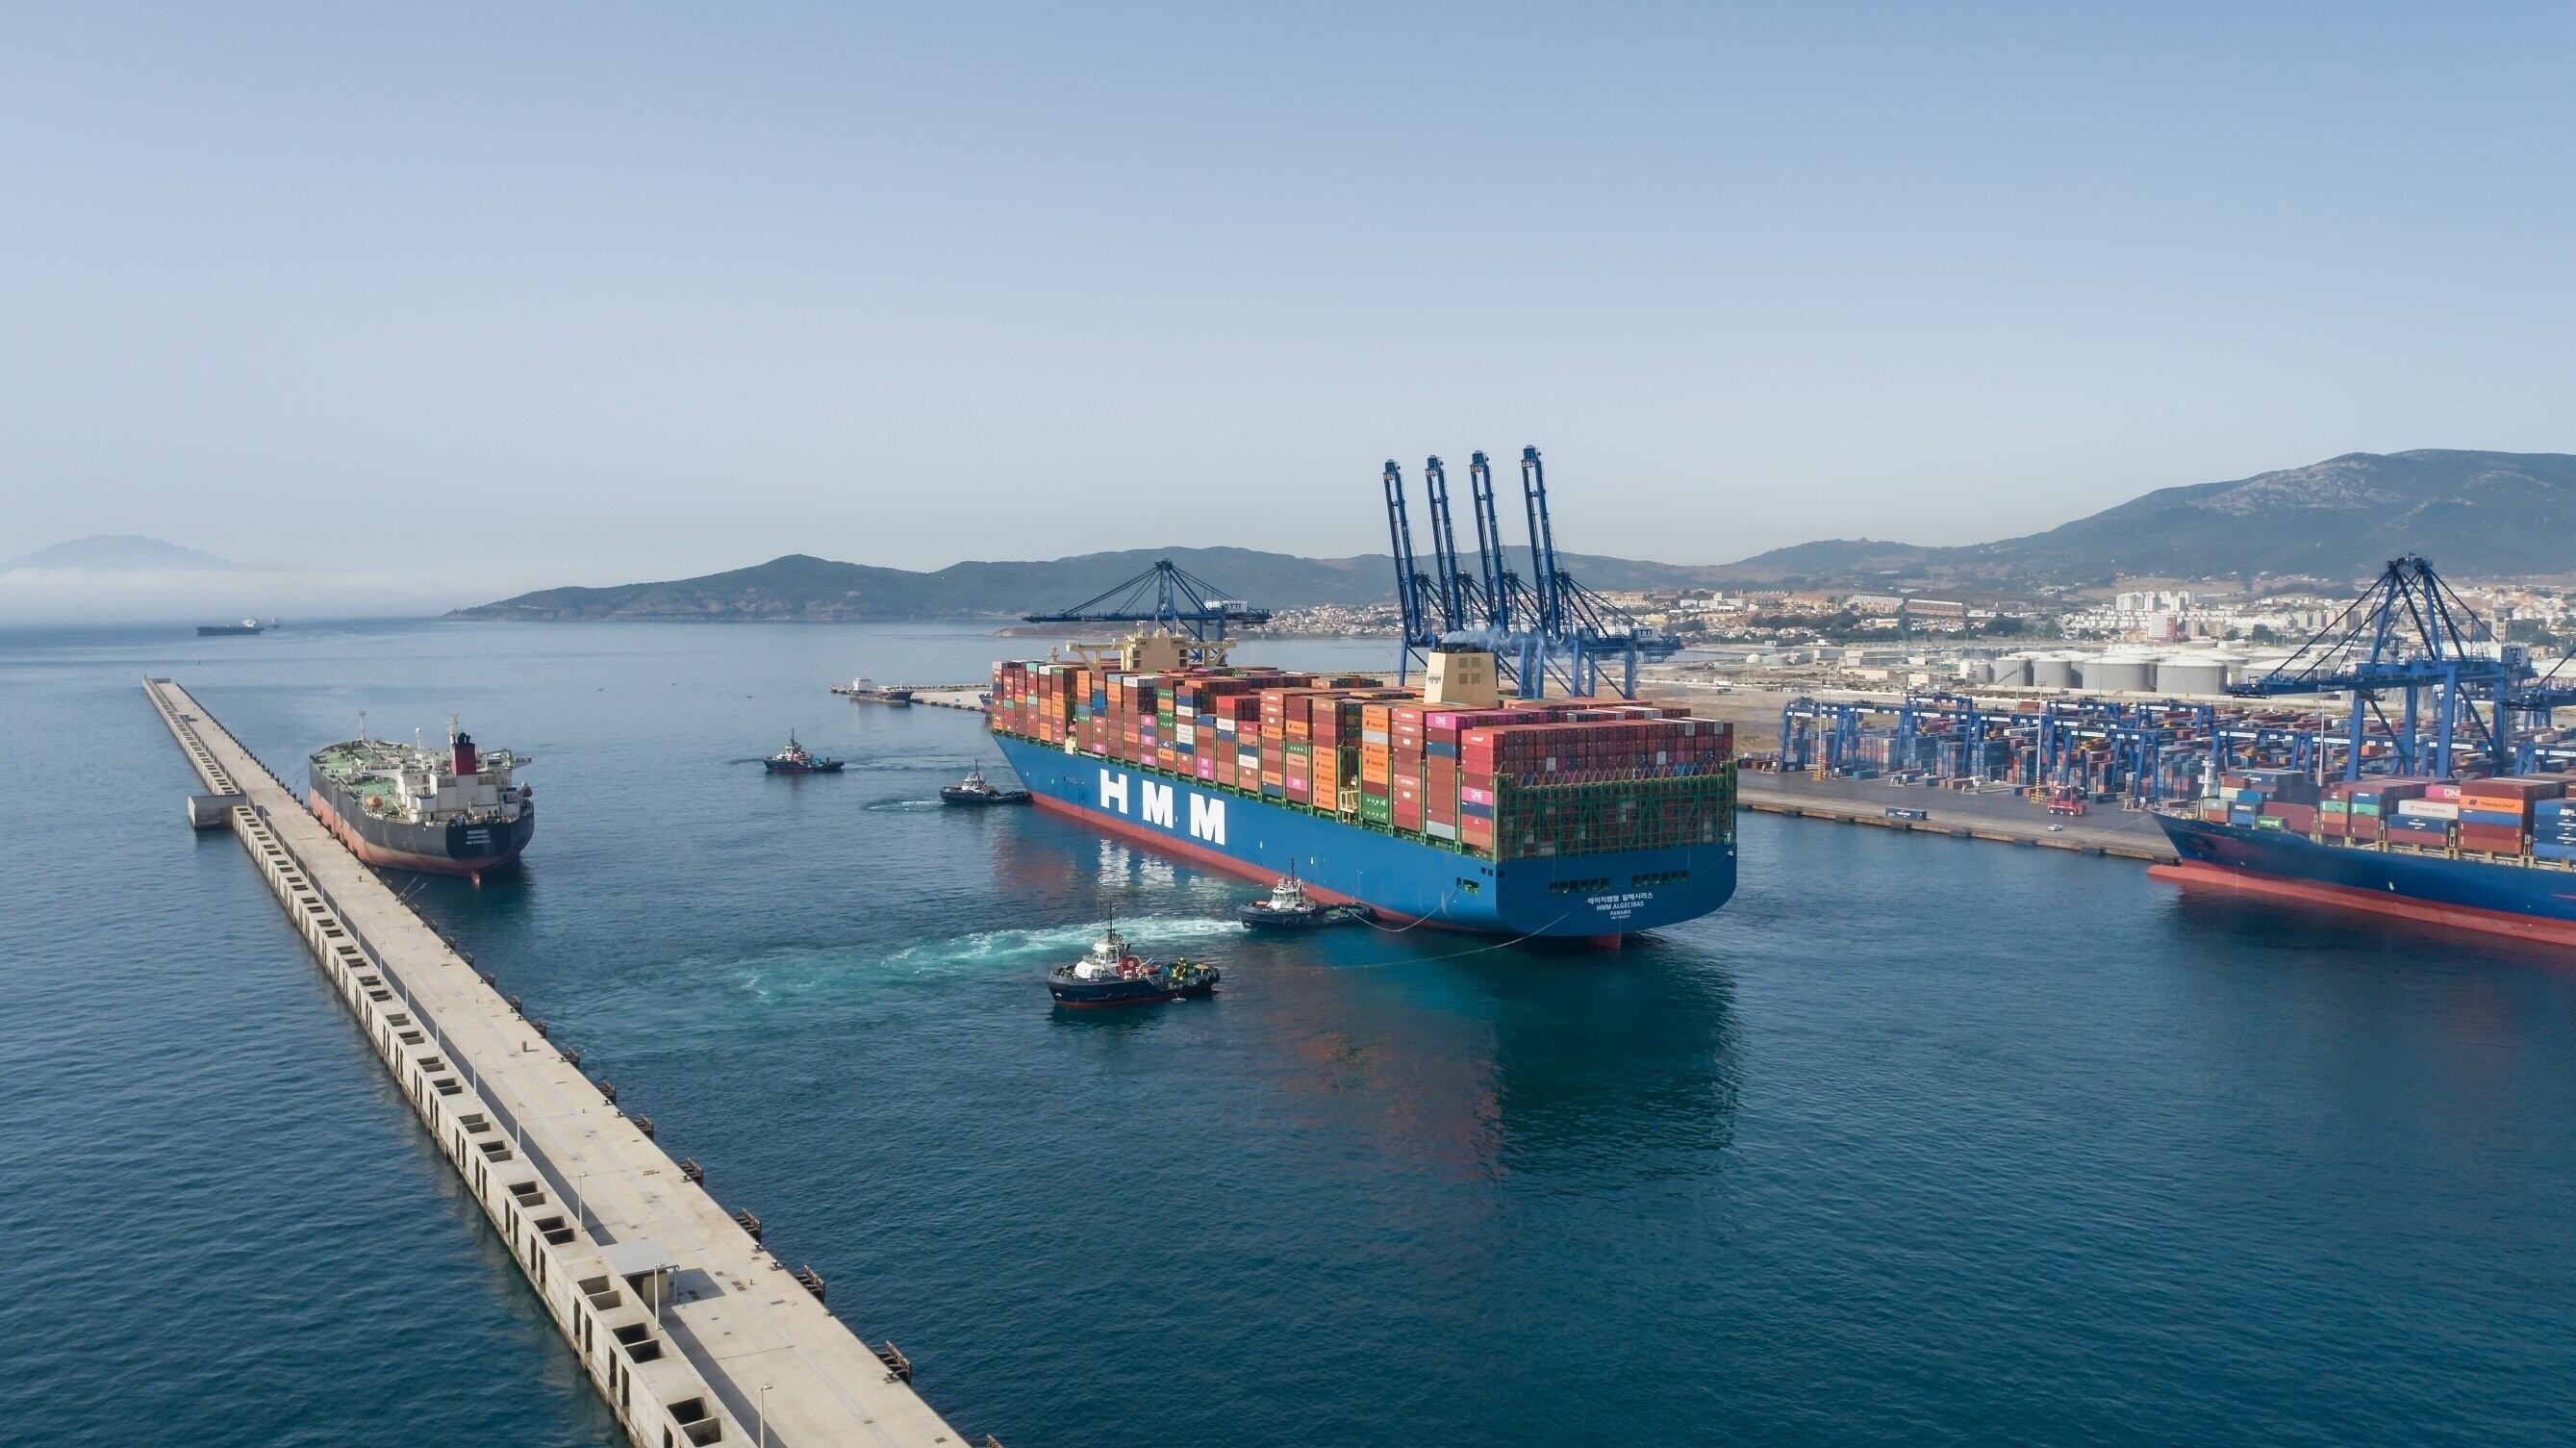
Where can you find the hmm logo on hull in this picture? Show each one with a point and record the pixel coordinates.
(1155, 804)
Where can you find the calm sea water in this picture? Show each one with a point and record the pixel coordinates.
(1917, 1142)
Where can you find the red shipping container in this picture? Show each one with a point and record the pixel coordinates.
(2297, 818)
(2511, 789)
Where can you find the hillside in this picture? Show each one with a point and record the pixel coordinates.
(2475, 514)
(114, 553)
(800, 587)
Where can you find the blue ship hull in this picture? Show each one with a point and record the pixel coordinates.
(1597, 897)
(2520, 900)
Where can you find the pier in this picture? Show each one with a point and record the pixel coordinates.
(691, 1331)
(935, 696)
(1998, 818)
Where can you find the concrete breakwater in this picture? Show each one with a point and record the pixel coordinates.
(689, 1329)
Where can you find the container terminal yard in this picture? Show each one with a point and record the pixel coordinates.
(2405, 680)
(689, 1330)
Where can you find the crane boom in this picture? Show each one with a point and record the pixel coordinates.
(1451, 584)
(1551, 607)
(1489, 544)
(1408, 580)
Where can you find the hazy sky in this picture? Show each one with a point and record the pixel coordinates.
(571, 294)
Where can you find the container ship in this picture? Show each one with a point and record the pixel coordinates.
(2491, 856)
(451, 813)
(1583, 818)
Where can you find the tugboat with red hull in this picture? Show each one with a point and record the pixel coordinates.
(1113, 975)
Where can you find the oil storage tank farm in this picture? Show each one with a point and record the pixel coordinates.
(2053, 671)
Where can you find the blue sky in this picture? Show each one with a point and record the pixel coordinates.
(579, 294)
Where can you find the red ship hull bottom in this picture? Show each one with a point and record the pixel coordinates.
(2194, 875)
(473, 868)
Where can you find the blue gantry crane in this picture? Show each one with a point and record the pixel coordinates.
(1552, 627)
(2410, 636)
(2431, 691)
(1169, 597)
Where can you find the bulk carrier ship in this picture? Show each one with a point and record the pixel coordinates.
(456, 813)
(1576, 818)
(2490, 856)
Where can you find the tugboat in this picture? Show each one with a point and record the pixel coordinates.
(797, 759)
(1113, 975)
(1291, 908)
(976, 790)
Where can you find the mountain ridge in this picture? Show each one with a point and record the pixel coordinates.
(116, 553)
(802, 587)
(2476, 513)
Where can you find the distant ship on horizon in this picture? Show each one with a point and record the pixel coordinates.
(230, 630)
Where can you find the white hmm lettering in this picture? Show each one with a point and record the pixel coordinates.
(1155, 802)
(1207, 819)
(1113, 790)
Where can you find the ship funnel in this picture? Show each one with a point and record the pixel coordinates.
(467, 764)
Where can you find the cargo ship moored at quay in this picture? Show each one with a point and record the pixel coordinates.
(2486, 856)
(396, 806)
(1571, 818)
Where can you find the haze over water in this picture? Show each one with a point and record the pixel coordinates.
(1918, 1141)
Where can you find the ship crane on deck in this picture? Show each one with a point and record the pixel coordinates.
(2410, 636)
(1553, 627)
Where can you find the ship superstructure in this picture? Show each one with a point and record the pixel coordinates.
(459, 811)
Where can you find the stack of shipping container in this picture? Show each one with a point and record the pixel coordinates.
(2553, 829)
(2265, 799)
(2526, 815)
(2496, 814)
(1523, 780)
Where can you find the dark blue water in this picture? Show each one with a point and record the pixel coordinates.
(1917, 1142)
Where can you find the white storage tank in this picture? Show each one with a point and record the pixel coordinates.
(2120, 674)
(2192, 673)
(2259, 665)
(2053, 671)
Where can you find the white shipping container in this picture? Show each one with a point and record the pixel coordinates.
(2429, 809)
